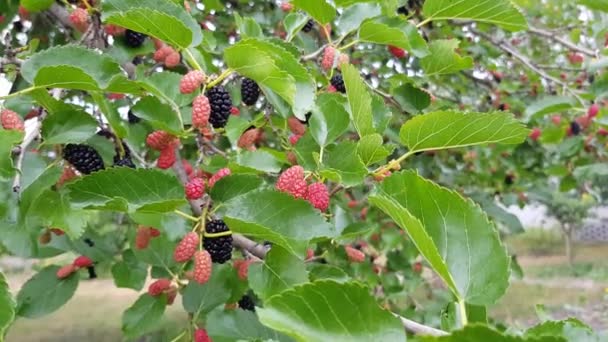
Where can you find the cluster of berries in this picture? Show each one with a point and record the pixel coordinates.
(293, 182)
(78, 263)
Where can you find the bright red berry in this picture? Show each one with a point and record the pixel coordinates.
(202, 267)
(142, 237)
(535, 134)
(354, 255)
(11, 120)
(195, 188)
(417, 267)
(286, 7)
(295, 126)
(318, 196)
(65, 271)
(83, 261)
(294, 138)
(397, 51)
(201, 109)
(200, 335)
(159, 286)
(186, 248)
(154, 232)
(219, 175)
(57, 231)
(235, 111)
(114, 30)
(162, 52)
(159, 140)
(593, 110)
(67, 175)
(80, 19)
(329, 56)
(292, 182)
(173, 59)
(242, 267)
(310, 253)
(556, 119)
(191, 81)
(167, 158)
(331, 89)
(602, 131)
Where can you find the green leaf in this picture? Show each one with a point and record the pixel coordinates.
(200, 299)
(570, 329)
(278, 218)
(129, 273)
(548, 105)
(233, 186)
(355, 15)
(394, 31)
(75, 67)
(496, 12)
(293, 23)
(411, 99)
(320, 10)
(248, 27)
(69, 125)
(235, 128)
(442, 130)
(588, 172)
(33, 191)
(443, 58)
(371, 149)
(327, 272)
(165, 85)
(36, 6)
(44, 293)
(7, 306)
(162, 19)
(343, 160)
(159, 252)
(279, 271)
(330, 311)
(8, 139)
(160, 115)
(52, 209)
(258, 160)
(329, 119)
(144, 315)
(239, 325)
(499, 213)
(479, 332)
(111, 113)
(600, 5)
(128, 190)
(359, 99)
(451, 232)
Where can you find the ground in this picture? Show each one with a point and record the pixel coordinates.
(94, 314)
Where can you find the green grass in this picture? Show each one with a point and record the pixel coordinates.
(596, 271)
(536, 242)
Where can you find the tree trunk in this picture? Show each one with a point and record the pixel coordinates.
(568, 243)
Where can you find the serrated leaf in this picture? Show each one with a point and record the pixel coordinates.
(7, 306)
(343, 159)
(443, 58)
(327, 272)
(496, 12)
(359, 99)
(278, 218)
(442, 130)
(330, 311)
(44, 293)
(233, 186)
(371, 149)
(69, 125)
(8, 139)
(548, 105)
(127, 190)
(411, 99)
(394, 31)
(160, 115)
(570, 329)
(162, 19)
(75, 67)
(320, 10)
(129, 273)
(279, 271)
(144, 315)
(200, 299)
(329, 119)
(248, 27)
(451, 232)
(352, 17)
(237, 325)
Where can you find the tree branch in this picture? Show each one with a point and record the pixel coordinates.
(562, 41)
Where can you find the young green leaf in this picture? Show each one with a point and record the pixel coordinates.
(236, 325)
(279, 271)
(320, 10)
(200, 299)
(359, 99)
(144, 315)
(396, 32)
(44, 293)
(443, 59)
(496, 12)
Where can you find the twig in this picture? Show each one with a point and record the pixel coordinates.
(486, 83)
(557, 67)
(420, 329)
(314, 55)
(564, 42)
(526, 62)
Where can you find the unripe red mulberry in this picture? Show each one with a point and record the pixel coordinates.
(296, 126)
(292, 182)
(191, 81)
(67, 175)
(248, 139)
(195, 188)
(80, 19)
(159, 140)
(354, 255)
(66, 271)
(11, 120)
(142, 237)
(294, 138)
(159, 286)
(186, 248)
(242, 267)
(83, 262)
(218, 175)
(173, 59)
(318, 196)
(329, 56)
(167, 158)
(201, 110)
(202, 267)
(397, 51)
(200, 335)
(161, 53)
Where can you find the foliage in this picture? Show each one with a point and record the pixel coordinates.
(443, 88)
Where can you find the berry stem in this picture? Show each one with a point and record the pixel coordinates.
(220, 78)
(179, 337)
(354, 42)
(186, 216)
(326, 33)
(424, 22)
(90, 8)
(20, 92)
(191, 60)
(216, 235)
(395, 162)
(462, 310)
